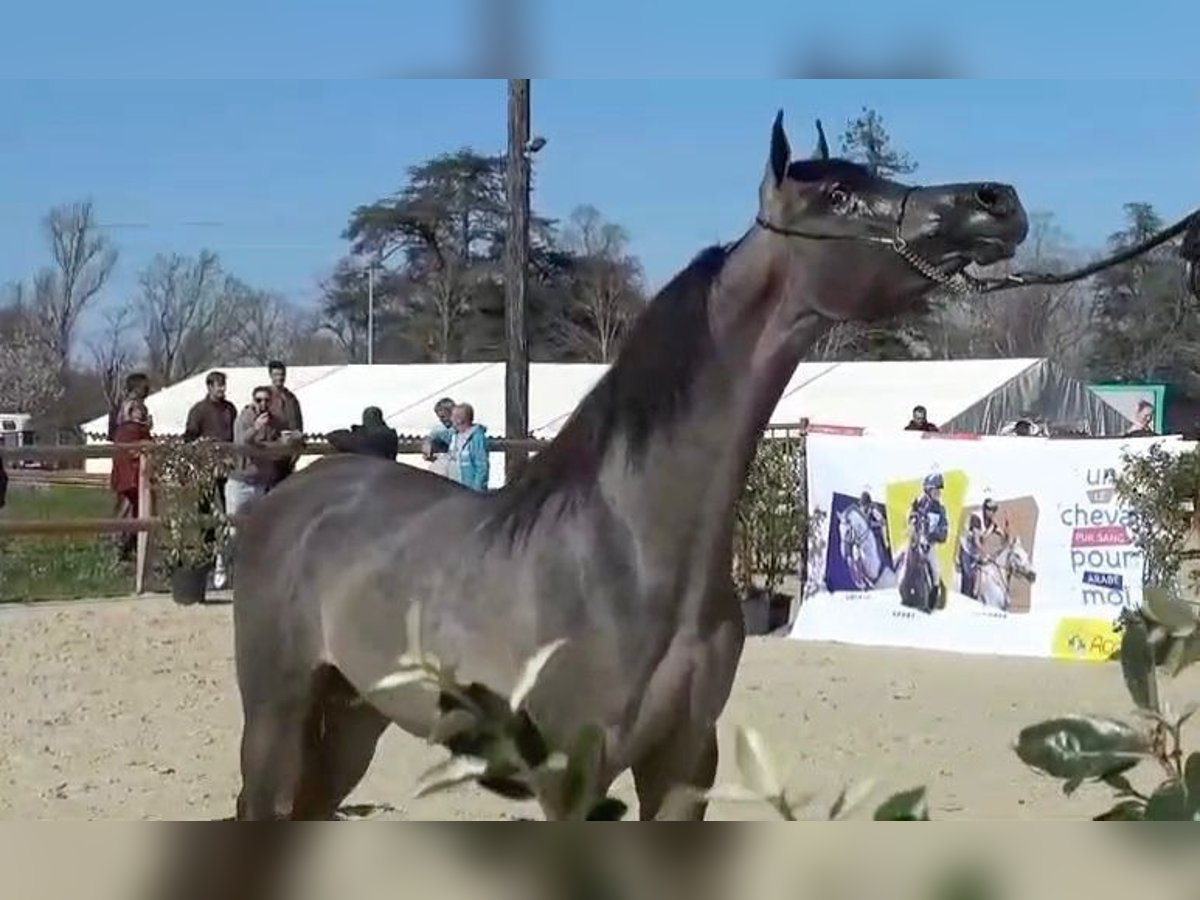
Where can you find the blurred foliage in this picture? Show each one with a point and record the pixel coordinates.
(184, 476)
(771, 517)
(1162, 635)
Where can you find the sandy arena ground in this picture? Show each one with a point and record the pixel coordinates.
(128, 710)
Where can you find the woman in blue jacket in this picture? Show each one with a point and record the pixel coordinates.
(469, 449)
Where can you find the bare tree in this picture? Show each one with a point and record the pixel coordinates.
(112, 352)
(269, 327)
(83, 260)
(1050, 321)
(189, 311)
(605, 284)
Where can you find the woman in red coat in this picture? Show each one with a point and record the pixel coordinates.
(133, 427)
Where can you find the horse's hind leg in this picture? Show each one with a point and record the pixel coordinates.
(273, 751)
(690, 760)
(339, 755)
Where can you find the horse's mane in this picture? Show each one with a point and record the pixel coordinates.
(645, 390)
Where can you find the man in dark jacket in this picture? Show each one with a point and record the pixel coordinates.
(3, 484)
(285, 410)
(920, 421)
(372, 438)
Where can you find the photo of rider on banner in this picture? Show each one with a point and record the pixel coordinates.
(994, 552)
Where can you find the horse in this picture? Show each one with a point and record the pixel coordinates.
(862, 552)
(994, 574)
(917, 587)
(617, 538)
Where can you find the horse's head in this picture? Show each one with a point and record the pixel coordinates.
(1017, 560)
(866, 247)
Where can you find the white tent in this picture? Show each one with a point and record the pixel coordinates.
(967, 395)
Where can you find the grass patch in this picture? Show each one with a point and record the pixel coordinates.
(67, 567)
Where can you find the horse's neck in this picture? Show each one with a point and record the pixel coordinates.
(679, 500)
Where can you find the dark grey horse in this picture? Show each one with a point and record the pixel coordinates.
(616, 537)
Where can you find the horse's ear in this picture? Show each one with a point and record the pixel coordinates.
(822, 151)
(781, 151)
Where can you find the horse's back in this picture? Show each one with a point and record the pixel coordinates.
(305, 534)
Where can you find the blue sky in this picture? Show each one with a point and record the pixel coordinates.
(280, 163)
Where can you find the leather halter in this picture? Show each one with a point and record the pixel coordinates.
(962, 283)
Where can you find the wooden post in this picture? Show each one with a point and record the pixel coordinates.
(516, 269)
(143, 512)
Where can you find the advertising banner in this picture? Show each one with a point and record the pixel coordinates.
(999, 545)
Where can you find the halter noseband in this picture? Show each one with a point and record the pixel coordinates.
(963, 284)
(959, 282)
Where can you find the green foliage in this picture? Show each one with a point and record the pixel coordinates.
(771, 517)
(867, 141)
(184, 476)
(1159, 488)
(66, 567)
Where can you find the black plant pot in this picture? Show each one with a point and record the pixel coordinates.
(189, 584)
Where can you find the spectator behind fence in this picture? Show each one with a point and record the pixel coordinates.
(134, 428)
(251, 476)
(441, 433)
(920, 421)
(285, 410)
(372, 438)
(469, 462)
(3, 484)
(137, 389)
(212, 419)
(1143, 420)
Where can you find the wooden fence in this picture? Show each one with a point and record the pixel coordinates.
(147, 521)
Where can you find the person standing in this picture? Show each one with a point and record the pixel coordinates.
(251, 476)
(134, 428)
(920, 421)
(212, 419)
(469, 461)
(372, 438)
(289, 417)
(137, 389)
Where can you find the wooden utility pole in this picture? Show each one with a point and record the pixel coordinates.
(516, 269)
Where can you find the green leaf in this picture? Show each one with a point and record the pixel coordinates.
(450, 773)
(1083, 747)
(1137, 665)
(530, 672)
(581, 780)
(1120, 784)
(397, 680)
(450, 725)
(1191, 779)
(412, 630)
(1162, 605)
(1125, 811)
(1169, 803)
(610, 809)
(850, 798)
(755, 763)
(1181, 653)
(906, 806)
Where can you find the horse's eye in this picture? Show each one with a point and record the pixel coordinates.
(839, 198)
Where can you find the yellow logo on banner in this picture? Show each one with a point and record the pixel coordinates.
(1088, 640)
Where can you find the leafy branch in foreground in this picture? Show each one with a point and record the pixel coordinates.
(495, 743)
(1163, 634)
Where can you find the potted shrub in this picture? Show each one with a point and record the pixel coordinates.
(193, 529)
(769, 531)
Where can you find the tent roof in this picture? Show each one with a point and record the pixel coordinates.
(868, 394)
(882, 394)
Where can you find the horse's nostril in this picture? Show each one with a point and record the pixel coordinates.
(988, 197)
